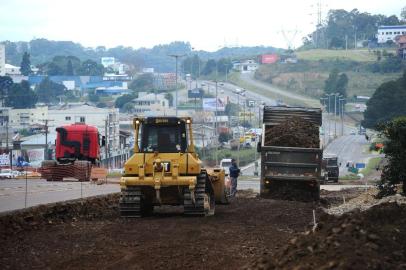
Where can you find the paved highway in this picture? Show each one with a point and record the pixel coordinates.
(12, 192)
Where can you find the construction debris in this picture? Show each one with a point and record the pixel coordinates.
(373, 239)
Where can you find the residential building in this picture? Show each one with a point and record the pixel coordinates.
(389, 33)
(165, 81)
(25, 118)
(2, 59)
(12, 70)
(151, 104)
(245, 66)
(204, 135)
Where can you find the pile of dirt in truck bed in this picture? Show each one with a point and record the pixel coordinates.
(294, 132)
(373, 239)
(238, 233)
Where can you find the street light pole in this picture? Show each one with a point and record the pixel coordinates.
(342, 115)
(335, 115)
(238, 128)
(215, 125)
(176, 56)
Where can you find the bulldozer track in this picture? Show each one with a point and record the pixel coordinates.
(131, 202)
(197, 208)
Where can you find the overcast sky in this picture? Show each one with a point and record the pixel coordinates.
(206, 24)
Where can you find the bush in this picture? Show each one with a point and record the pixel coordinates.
(395, 151)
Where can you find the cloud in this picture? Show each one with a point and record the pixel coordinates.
(207, 24)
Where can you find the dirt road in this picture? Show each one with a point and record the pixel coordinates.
(240, 232)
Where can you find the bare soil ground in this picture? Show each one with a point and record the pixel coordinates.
(250, 233)
(90, 235)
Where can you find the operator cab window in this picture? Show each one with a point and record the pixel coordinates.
(163, 138)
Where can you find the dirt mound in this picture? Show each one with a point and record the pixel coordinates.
(373, 239)
(34, 217)
(294, 132)
(238, 233)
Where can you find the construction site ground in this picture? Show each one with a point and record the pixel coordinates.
(89, 234)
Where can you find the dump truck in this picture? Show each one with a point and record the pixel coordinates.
(330, 168)
(166, 170)
(291, 156)
(77, 150)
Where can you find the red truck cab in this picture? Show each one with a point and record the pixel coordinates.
(77, 142)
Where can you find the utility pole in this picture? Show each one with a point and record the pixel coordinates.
(238, 128)
(10, 153)
(106, 150)
(176, 56)
(46, 137)
(215, 124)
(335, 114)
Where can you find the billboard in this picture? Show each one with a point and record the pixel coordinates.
(195, 93)
(269, 58)
(4, 159)
(209, 104)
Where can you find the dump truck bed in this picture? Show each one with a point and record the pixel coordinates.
(288, 169)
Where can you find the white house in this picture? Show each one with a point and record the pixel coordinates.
(389, 33)
(151, 103)
(246, 66)
(12, 70)
(24, 118)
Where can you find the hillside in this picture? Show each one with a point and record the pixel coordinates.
(43, 50)
(307, 77)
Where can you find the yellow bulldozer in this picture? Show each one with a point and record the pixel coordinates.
(166, 170)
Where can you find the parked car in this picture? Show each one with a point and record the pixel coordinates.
(6, 174)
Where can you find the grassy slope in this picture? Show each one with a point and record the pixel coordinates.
(361, 55)
(360, 83)
(235, 79)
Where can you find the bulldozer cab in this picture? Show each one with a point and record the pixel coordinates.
(163, 135)
(169, 137)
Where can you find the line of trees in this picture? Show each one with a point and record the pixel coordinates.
(195, 66)
(343, 27)
(387, 103)
(336, 83)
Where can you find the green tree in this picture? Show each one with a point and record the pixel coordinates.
(128, 107)
(25, 66)
(21, 96)
(395, 151)
(48, 91)
(69, 68)
(5, 84)
(232, 109)
(94, 98)
(122, 100)
(387, 103)
(91, 68)
(342, 84)
(224, 137)
(224, 65)
(335, 84)
(144, 82)
(209, 67)
(169, 97)
(330, 84)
